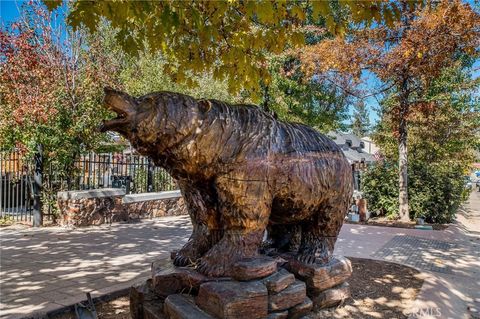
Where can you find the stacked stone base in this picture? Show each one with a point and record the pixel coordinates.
(261, 288)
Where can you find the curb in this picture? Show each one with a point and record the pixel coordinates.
(71, 308)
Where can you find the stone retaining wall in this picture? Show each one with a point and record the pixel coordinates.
(156, 208)
(96, 207)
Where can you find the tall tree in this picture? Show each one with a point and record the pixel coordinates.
(50, 89)
(407, 57)
(361, 121)
(232, 39)
(441, 147)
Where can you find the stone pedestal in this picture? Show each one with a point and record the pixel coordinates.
(326, 284)
(263, 288)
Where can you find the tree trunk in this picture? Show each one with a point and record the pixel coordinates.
(403, 173)
(403, 154)
(37, 188)
(266, 99)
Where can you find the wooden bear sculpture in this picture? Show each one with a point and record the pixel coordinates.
(240, 171)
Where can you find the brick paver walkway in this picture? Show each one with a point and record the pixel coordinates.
(46, 269)
(425, 254)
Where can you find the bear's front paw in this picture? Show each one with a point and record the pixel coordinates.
(212, 268)
(306, 258)
(181, 260)
(219, 260)
(188, 255)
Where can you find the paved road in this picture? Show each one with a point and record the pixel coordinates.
(48, 268)
(470, 214)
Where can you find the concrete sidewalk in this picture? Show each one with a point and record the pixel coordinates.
(49, 268)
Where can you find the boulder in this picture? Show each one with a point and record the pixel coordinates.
(143, 300)
(278, 315)
(321, 277)
(331, 297)
(153, 310)
(287, 298)
(278, 281)
(300, 310)
(183, 307)
(168, 279)
(254, 268)
(234, 299)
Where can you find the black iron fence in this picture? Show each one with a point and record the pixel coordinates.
(16, 193)
(132, 172)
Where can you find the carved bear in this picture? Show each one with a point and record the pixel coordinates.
(240, 171)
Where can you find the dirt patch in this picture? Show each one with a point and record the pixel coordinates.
(379, 290)
(385, 222)
(115, 309)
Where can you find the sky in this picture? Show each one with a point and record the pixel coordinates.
(9, 12)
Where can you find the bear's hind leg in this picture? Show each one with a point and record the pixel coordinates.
(282, 238)
(320, 234)
(315, 247)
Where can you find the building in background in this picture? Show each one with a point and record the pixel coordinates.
(358, 151)
(370, 147)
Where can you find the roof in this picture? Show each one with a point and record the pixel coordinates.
(353, 150)
(355, 156)
(342, 138)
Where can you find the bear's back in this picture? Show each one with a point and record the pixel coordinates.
(283, 137)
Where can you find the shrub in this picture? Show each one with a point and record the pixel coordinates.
(380, 187)
(436, 190)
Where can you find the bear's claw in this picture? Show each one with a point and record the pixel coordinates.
(181, 261)
(210, 270)
(306, 258)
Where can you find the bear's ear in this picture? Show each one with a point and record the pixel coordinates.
(204, 105)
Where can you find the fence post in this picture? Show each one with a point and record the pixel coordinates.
(37, 187)
(150, 175)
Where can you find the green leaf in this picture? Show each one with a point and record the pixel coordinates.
(52, 4)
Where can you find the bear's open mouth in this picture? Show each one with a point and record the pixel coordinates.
(123, 105)
(115, 123)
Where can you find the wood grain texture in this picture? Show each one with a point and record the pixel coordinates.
(300, 310)
(168, 279)
(331, 297)
(278, 281)
(289, 297)
(183, 307)
(321, 277)
(254, 268)
(240, 171)
(144, 304)
(234, 299)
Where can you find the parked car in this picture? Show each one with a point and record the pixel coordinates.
(468, 183)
